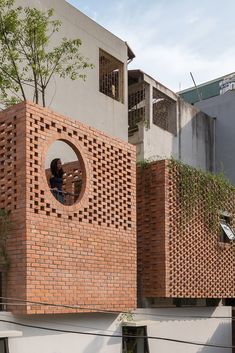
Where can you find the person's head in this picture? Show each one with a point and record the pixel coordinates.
(56, 167)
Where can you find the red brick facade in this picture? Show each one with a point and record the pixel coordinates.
(82, 254)
(186, 261)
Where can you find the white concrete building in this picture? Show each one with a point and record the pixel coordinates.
(162, 125)
(100, 101)
(216, 98)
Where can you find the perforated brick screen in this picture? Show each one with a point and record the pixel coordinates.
(79, 254)
(174, 259)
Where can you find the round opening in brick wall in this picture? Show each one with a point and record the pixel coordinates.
(65, 172)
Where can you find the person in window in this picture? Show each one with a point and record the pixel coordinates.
(56, 179)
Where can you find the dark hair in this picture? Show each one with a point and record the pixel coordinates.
(54, 169)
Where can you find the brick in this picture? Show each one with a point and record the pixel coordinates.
(82, 253)
(176, 261)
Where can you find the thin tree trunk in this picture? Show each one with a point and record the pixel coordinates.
(43, 97)
(36, 87)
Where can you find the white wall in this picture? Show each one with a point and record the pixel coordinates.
(43, 341)
(193, 142)
(223, 108)
(216, 331)
(82, 100)
(178, 323)
(158, 143)
(196, 133)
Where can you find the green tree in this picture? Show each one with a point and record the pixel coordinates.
(28, 60)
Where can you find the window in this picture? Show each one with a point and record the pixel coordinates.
(134, 344)
(4, 345)
(136, 106)
(226, 232)
(164, 111)
(111, 76)
(65, 172)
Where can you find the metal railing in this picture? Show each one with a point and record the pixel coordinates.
(65, 197)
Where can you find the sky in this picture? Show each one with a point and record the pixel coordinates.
(171, 38)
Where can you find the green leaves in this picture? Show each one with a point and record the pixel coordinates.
(204, 191)
(27, 56)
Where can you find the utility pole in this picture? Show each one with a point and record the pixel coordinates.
(198, 93)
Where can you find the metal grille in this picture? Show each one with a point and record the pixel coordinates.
(136, 107)
(111, 76)
(164, 111)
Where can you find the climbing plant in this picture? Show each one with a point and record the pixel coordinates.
(209, 193)
(142, 164)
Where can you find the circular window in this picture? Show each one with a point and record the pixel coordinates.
(65, 172)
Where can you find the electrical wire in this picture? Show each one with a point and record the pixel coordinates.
(95, 309)
(60, 322)
(114, 335)
(118, 336)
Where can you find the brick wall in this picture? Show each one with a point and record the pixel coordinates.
(151, 229)
(82, 254)
(176, 260)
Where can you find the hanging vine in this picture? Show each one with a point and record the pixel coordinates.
(196, 189)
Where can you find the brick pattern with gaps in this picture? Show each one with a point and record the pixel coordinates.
(8, 159)
(150, 230)
(83, 254)
(13, 194)
(175, 260)
(111, 174)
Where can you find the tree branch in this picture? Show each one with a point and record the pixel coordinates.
(12, 59)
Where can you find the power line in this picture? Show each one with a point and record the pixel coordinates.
(118, 336)
(95, 309)
(59, 322)
(112, 312)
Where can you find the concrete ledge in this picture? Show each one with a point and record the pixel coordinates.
(10, 333)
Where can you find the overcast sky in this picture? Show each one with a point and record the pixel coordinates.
(170, 38)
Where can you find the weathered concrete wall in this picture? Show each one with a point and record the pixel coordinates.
(173, 128)
(193, 144)
(82, 100)
(223, 108)
(195, 137)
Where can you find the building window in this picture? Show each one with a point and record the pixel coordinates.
(134, 339)
(226, 232)
(164, 111)
(4, 345)
(111, 76)
(136, 106)
(65, 172)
